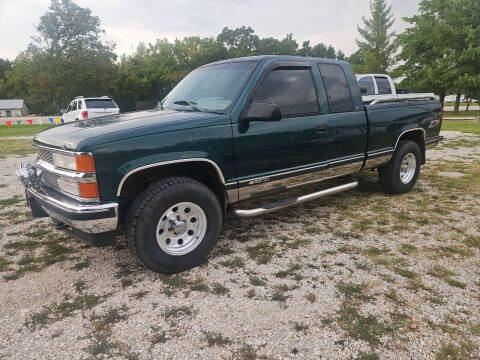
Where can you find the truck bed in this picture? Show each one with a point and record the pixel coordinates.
(407, 115)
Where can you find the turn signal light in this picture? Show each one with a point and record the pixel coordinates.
(84, 163)
(85, 114)
(88, 190)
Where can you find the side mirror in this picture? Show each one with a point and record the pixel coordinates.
(363, 90)
(263, 112)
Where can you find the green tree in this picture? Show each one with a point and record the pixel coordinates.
(440, 50)
(239, 42)
(67, 58)
(320, 50)
(378, 45)
(5, 65)
(272, 46)
(357, 61)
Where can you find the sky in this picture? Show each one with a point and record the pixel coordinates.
(127, 22)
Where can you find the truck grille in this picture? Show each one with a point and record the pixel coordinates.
(45, 155)
(49, 179)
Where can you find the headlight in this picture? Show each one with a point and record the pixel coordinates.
(78, 163)
(64, 161)
(69, 186)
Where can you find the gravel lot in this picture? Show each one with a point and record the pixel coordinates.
(360, 275)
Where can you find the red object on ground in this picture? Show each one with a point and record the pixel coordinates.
(30, 122)
(9, 123)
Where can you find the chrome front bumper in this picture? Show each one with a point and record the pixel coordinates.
(90, 218)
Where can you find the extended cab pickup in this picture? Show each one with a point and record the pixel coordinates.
(230, 131)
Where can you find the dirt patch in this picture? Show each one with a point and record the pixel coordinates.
(357, 275)
(451, 174)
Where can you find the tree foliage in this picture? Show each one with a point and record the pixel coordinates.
(67, 58)
(378, 45)
(441, 50)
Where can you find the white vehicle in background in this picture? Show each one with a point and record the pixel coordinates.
(381, 87)
(88, 108)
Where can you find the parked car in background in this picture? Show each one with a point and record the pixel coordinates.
(229, 132)
(88, 108)
(381, 87)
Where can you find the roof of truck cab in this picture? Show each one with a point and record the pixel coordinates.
(286, 58)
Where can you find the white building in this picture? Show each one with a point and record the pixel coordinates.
(13, 107)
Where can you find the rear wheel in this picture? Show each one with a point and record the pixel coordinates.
(174, 224)
(401, 173)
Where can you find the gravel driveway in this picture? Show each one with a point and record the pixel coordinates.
(360, 275)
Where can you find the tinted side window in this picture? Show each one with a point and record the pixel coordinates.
(367, 83)
(383, 85)
(291, 89)
(336, 86)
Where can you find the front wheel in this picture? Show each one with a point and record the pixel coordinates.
(174, 224)
(401, 173)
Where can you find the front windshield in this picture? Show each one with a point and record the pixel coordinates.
(211, 88)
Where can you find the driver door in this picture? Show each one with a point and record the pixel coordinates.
(270, 155)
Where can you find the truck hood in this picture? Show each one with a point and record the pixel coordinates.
(84, 134)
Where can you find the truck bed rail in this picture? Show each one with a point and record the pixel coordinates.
(382, 101)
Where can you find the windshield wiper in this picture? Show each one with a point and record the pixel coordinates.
(190, 104)
(193, 105)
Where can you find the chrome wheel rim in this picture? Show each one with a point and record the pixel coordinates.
(181, 228)
(407, 168)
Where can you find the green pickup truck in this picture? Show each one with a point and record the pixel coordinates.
(229, 132)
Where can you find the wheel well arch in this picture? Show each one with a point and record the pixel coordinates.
(202, 170)
(417, 135)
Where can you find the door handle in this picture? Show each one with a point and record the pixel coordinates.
(321, 128)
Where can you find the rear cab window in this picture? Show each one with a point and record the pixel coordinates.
(292, 89)
(100, 104)
(367, 83)
(336, 86)
(383, 85)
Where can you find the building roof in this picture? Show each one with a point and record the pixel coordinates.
(11, 104)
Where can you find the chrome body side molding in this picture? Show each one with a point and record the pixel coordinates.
(265, 185)
(377, 158)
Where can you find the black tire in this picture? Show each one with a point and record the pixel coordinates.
(390, 178)
(144, 216)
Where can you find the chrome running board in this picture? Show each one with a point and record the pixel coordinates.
(281, 204)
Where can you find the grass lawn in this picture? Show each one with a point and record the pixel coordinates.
(22, 130)
(461, 113)
(16, 147)
(467, 126)
(452, 103)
